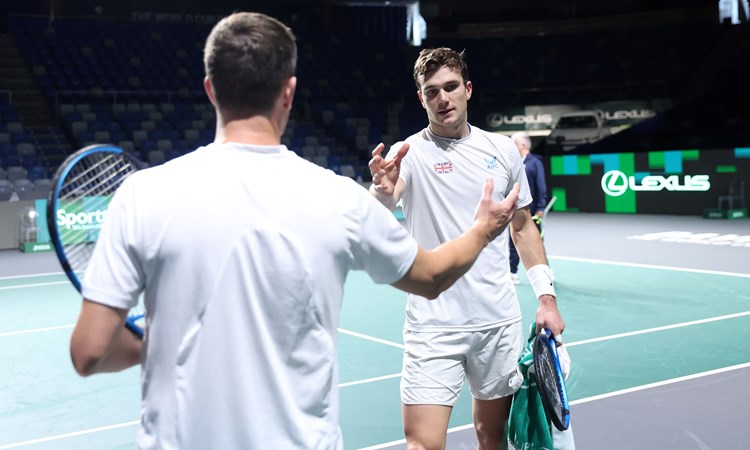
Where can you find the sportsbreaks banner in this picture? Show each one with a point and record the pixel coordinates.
(618, 114)
(79, 221)
(658, 182)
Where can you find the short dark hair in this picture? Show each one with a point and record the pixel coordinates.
(430, 60)
(247, 57)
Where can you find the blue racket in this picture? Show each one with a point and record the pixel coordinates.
(76, 208)
(550, 380)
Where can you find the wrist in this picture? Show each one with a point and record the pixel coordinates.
(540, 277)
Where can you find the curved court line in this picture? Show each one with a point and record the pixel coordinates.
(650, 266)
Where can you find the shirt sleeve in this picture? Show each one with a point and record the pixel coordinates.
(114, 276)
(384, 248)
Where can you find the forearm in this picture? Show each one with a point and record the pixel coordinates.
(530, 246)
(101, 343)
(434, 271)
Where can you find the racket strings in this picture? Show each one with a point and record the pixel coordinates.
(547, 368)
(88, 187)
(96, 175)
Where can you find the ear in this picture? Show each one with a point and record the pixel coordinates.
(469, 89)
(208, 87)
(288, 92)
(421, 100)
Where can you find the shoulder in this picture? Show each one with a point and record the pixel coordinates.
(498, 140)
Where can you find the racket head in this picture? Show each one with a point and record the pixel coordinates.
(550, 380)
(77, 203)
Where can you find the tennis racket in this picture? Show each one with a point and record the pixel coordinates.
(539, 221)
(550, 380)
(76, 208)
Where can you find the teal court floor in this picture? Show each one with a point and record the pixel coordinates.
(644, 314)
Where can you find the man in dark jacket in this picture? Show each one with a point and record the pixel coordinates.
(538, 187)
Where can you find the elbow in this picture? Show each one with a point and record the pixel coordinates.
(85, 356)
(84, 365)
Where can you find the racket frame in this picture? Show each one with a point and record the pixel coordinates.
(561, 419)
(53, 202)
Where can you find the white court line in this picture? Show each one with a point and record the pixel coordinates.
(385, 377)
(662, 328)
(650, 266)
(23, 286)
(15, 277)
(370, 380)
(67, 435)
(592, 398)
(35, 330)
(370, 338)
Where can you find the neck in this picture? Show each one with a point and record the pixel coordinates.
(455, 132)
(255, 130)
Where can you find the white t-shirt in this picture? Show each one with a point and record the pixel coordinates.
(242, 253)
(444, 180)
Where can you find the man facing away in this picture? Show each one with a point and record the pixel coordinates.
(243, 272)
(472, 330)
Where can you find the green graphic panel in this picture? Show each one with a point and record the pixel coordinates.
(584, 165)
(561, 204)
(726, 169)
(624, 203)
(691, 155)
(655, 160)
(557, 167)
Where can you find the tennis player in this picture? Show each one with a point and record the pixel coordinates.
(241, 250)
(473, 330)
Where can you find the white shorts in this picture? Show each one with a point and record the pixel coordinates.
(436, 364)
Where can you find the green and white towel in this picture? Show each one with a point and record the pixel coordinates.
(528, 426)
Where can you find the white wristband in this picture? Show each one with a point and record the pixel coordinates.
(540, 277)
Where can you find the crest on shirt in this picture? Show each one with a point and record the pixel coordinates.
(443, 167)
(491, 163)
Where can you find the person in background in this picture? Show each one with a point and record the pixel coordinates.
(538, 188)
(473, 330)
(243, 273)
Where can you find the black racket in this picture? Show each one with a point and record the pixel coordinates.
(77, 206)
(550, 380)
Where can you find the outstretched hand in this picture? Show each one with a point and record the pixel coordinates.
(385, 171)
(496, 216)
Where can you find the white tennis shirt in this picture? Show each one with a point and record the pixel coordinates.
(444, 180)
(242, 253)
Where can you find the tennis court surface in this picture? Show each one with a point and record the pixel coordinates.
(658, 328)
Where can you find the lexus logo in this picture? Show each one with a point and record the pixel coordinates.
(614, 183)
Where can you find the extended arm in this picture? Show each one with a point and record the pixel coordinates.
(100, 341)
(434, 271)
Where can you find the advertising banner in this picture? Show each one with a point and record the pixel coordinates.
(618, 114)
(658, 182)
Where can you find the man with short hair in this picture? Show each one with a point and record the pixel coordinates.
(534, 168)
(473, 330)
(243, 273)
